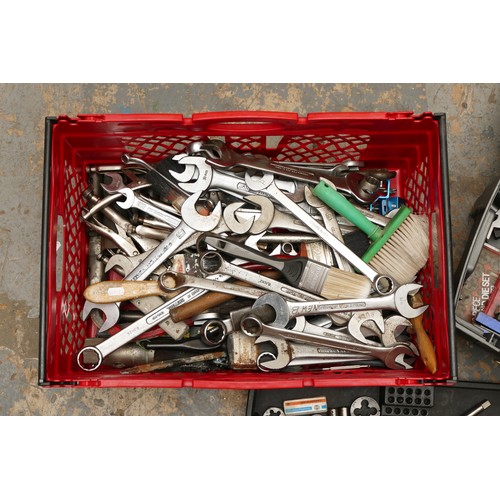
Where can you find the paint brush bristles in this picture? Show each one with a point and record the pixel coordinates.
(300, 272)
(400, 249)
(406, 252)
(340, 284)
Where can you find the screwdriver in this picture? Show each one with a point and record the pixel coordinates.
(483, 406)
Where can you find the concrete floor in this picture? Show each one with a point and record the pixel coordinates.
(473, 118)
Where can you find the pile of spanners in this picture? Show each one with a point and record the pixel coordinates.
(162, 267)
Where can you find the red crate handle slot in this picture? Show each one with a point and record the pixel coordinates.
(250, 122)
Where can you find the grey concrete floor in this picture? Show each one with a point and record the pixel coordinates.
(473, 117)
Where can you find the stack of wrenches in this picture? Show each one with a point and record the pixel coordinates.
(206, 263)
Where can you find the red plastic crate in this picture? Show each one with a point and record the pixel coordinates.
(412, 145)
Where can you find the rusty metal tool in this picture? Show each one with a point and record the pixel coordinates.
(173, 363)
(300, 354)
(393, 357)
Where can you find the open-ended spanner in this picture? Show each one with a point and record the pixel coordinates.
(116, 183)
(393, 357)
(266, 218)
(364, 188)
(342, 333)
(176, 195)
(387, 330)
(279, 311)
(382, 284)
(111, 312)
(135, 201)
(290, 354)
(211, 179)
(191, 224)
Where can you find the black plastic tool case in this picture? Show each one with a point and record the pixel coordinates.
(456, 397)
(455, 400)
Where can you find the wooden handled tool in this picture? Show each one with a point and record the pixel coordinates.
(209, 300)
(107, 292)
(118, 291)
(424, 343)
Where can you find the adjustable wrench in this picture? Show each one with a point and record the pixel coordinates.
(382, 284)
(393, 356)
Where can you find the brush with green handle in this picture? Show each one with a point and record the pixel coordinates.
(400, 249)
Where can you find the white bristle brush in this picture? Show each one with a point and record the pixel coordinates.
(400, 249)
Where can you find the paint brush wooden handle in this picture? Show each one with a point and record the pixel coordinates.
(209, 300)
(424, 343)
(107, 292)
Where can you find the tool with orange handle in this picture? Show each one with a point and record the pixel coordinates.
(424, 342)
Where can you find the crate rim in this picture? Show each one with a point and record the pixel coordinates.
(319, 117)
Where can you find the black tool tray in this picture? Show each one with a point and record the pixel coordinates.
(454, 400)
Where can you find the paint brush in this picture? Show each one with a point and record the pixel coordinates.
(400, 249)
(300, 272)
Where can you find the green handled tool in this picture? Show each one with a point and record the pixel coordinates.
(327, 193)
